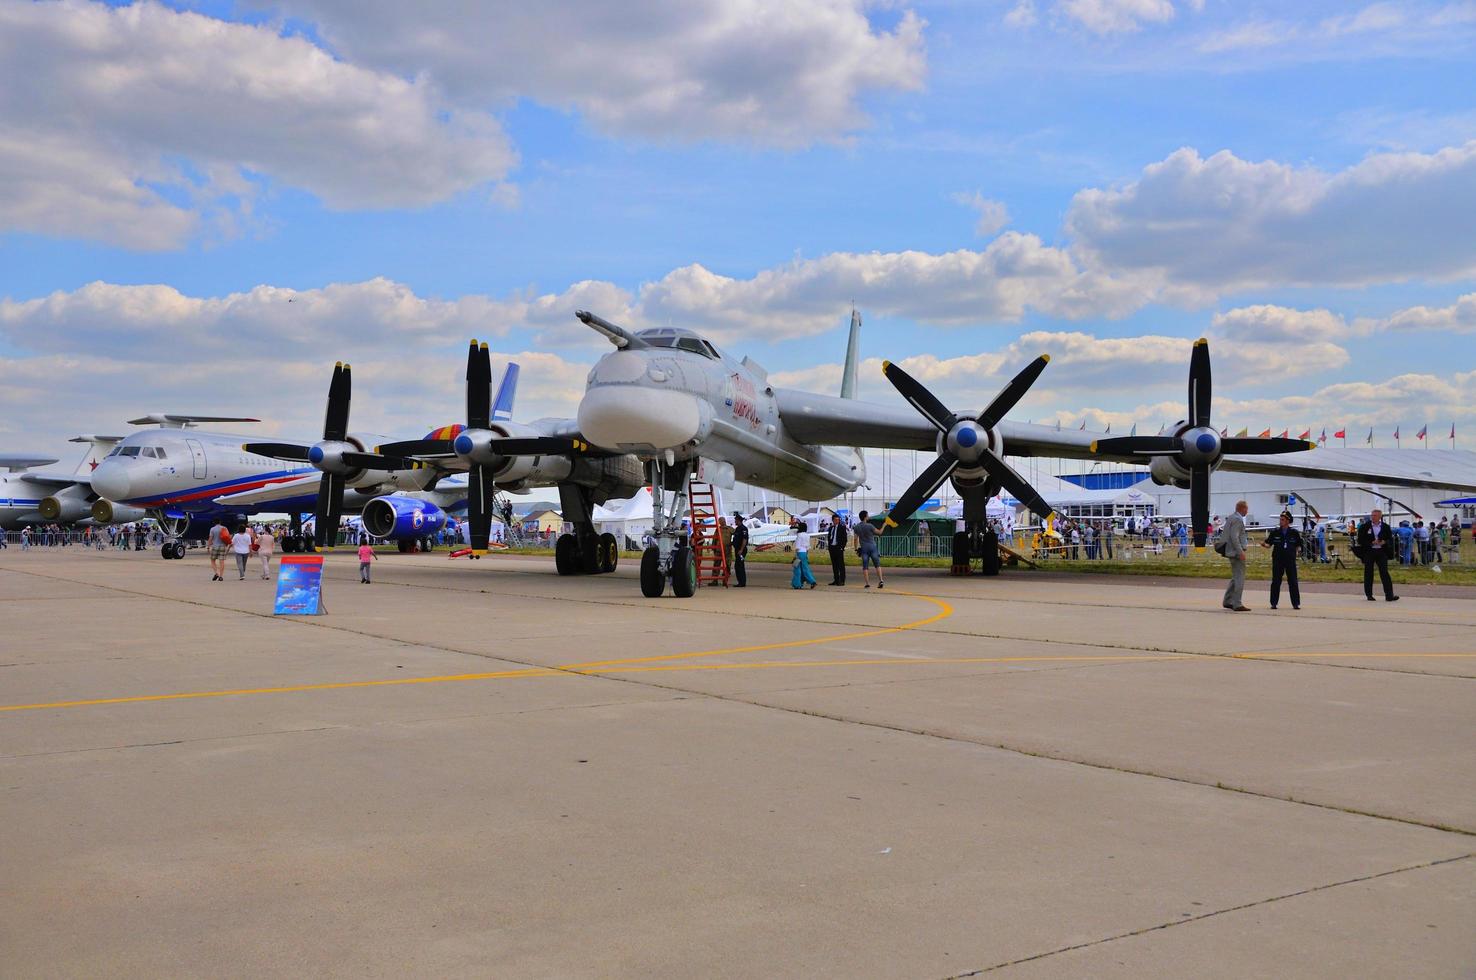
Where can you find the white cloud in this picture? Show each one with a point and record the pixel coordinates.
(128, 124)
(1280, 324)
(1459, 317)
(1012, 275)
(993, 215)
(767, 71)
(1199, 227)
(1022, 15)
(1115, 16)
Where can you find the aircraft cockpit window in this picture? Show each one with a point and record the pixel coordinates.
(115, 452)
(128, 451)
(713, 351)
(693, 345)
(150, 452)
(159, 451)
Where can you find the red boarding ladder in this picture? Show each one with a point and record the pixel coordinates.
(707, 540)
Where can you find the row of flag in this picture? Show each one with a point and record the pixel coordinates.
(1306, 434)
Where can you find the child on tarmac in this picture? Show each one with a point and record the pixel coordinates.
(366, 555)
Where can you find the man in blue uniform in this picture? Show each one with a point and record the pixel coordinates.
(1285, 543)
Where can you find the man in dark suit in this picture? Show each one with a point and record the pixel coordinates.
(835, 541)
(1375, 546)
(1285, 543)
(740, 550)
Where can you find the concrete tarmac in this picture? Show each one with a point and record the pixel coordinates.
(480, 768)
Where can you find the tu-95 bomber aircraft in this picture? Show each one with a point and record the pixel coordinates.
(667, 405)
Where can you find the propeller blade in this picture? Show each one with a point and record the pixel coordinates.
(1264, 447)
(327, 510)
(1199, 383)
(340, 391)
(541, 446)
(279, 450)
(922, 488)
(1199, 504)
(921, 398)
(479, 490)
(478, 387)
(1015, 484)
(376, 461)
(417, 447)
(1138, 445)
(1013, 392)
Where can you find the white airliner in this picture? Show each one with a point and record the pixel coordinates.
(29, 496)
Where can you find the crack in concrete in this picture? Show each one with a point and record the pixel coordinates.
(1210, 915)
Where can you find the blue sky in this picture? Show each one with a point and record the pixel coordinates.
(1101, 179)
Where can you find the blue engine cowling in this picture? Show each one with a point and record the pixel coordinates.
(399, 518)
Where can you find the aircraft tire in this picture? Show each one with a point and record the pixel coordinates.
(653, 583)
(179, 549)
(167, 552)
(609, 553)
(961, 556)
(683, 573)
(405, 547)
(566, 555)
(589, 554)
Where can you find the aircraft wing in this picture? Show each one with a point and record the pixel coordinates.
(827, 420)
(273, 491)
(57, 481)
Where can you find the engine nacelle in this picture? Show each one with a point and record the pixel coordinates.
(612, 478)
(1166, 471)
(107, 512)
(66, 509)
(399, 518)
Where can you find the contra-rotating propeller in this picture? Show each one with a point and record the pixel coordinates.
(968, 446)
(334, 456)
(1197, 447)
(483, 450)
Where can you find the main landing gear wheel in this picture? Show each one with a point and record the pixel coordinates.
(609, 553)
(589, 554)
(167, 551)
(566, 555)
(683, 573)
(405, 547)
(962, 560)
(653, 583)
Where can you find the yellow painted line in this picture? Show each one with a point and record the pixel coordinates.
(187, 695)
(587, 668)
(945, 610)
(1380, 656)
(891, 662)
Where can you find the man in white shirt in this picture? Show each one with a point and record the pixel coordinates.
(241, 547)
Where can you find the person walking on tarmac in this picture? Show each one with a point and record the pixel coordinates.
(740, 550)
(802, 574)
(835, 543)
(1285, 543)
(1374, 545)
(1233, 543)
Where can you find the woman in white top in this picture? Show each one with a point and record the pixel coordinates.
(241, 548)
(265, 545)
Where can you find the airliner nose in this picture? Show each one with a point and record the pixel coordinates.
(110, 480)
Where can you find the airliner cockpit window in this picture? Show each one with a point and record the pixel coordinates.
(128, 451)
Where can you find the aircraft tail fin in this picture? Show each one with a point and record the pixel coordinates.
(853, 356)
(507, 393)
(97, 447)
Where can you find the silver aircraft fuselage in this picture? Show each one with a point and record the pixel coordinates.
(677, 397)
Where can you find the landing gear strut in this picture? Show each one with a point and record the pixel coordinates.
(670, 555)
(586, 551)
